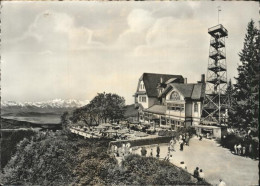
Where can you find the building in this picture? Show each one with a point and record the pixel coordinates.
(147, 91)
(167, 101)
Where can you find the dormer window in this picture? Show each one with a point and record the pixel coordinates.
(141, 86)
(174, 96)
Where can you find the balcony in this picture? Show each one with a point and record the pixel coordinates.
(218, 31)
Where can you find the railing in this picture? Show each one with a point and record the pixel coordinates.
(219, 65)
(215, 78)
(220, 40)
(219, 53)
(217, 27)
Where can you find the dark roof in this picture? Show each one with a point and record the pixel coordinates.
(151, 82)
(159, 109)
(193, 91)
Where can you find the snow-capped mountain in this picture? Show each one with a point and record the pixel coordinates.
(56, 103)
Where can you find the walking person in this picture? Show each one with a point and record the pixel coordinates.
(158, 151)
(181, 146)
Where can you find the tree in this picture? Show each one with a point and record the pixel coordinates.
(232, 118)
(247, 85)
(102, 108)
(65, 120)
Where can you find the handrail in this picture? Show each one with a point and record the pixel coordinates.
(216, 27)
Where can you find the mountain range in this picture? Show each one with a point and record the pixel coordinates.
(56, 104)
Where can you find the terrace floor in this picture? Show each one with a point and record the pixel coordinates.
(216, 162)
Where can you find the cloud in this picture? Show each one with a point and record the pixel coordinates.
(53, 31)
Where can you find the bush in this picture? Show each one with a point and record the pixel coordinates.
(9, 140)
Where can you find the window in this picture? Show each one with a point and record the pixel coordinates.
(174, 96)
(175, 107)
(196, 107)
(142, 99)
(141, 86)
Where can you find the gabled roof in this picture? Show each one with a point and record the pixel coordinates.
(192, 91)
(158, 109)
(152, 80)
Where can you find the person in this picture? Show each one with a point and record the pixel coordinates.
(181, 146)
(221, 183)
(201, 175)
(239, 149)
(130, 150)
(250, 150)
(167, 158)
(172, 145)
(116, 151)
(123, 148)
(151, 153)
(196, 173)
(200, 136)
(112, 149)
(235, 148)
(143, 151)
(183, 166)
(244, 150)
(158, 151)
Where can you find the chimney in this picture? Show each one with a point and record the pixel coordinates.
(202, 78)
(185, 81)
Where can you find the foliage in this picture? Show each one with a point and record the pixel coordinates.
(61, 158)
(102, 108)
(231, 103)
(247, 87)
(9, 140)
(139, 170)
(48, 158)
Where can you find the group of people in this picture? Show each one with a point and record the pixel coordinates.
(199, 174)
(242, 150)
(144, 152)
(184, 140)
(124, 150)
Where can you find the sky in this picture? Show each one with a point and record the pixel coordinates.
(73, 50)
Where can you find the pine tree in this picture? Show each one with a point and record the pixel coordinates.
(231, 102)
(247, 85)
